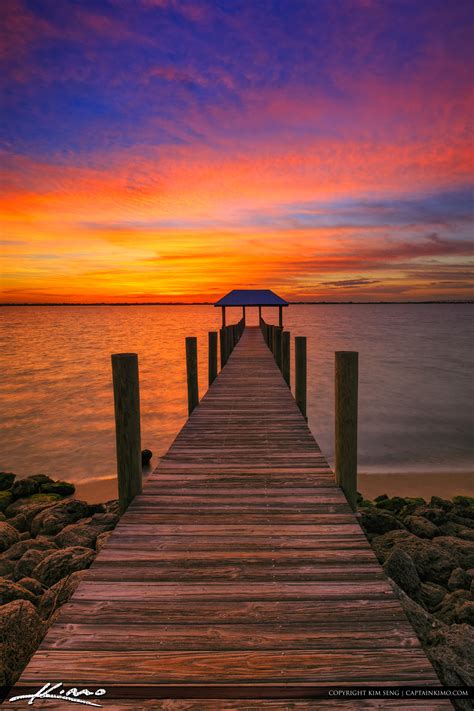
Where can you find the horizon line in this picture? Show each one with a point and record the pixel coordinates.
(211, 303)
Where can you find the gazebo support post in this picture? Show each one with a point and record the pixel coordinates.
(259, 314)
(280, 316)
(223, 316)
(243, 314)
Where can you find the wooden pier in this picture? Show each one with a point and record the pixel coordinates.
(240, 577)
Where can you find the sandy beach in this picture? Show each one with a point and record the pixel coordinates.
(425, 484)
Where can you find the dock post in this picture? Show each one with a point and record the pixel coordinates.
(212, 356)
(285, 356)
(229, 342)
(345, 439)
(192, 372)
(222, 344)
(300, 373)
(127, 426)
(235, 334)
(277, 345)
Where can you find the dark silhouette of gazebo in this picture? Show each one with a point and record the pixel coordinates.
(252, 297)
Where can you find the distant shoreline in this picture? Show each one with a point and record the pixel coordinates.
(211, 303)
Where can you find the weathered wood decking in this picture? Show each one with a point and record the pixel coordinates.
(240, 572)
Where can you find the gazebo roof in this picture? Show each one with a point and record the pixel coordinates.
(251, 297)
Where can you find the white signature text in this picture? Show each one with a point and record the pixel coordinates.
(54, 691)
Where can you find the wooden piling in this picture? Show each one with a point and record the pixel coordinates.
(300, 373)
(192, 373)
(285, 356)
(127, 426)
(223, 346)
(345, 439)
(212, 356)
(229, 341)
(277, 346)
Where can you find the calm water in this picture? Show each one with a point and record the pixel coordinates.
(416, 394)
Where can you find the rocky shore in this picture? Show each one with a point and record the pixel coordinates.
(48, 538)
(427, 550)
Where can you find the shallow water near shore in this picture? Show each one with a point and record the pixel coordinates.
(415, 414)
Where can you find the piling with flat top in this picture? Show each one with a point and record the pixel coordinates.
(277, 346)
(345, 435)
(300, 373)
(285, 356)
(223, 346)
(192, 373)
(127, 426)
(212, 356)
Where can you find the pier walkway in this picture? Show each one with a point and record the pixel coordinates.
(240, 578)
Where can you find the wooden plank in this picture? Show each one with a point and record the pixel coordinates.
(231, 637)
(217, 704)
(146, 542)
(242, 666)
(177, 611)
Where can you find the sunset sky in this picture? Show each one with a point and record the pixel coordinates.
(175, 149)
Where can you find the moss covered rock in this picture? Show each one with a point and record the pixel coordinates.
(6, 499)
(31, 505)
(63, 488)
(53, 519)
(395, 504)
(459, 579)
(10, 590)
(61, 563)
(8, 536)
(375, 521)
(432, 595)
(400, 567)
(22, 632)
(421, 527)
(6, 480)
